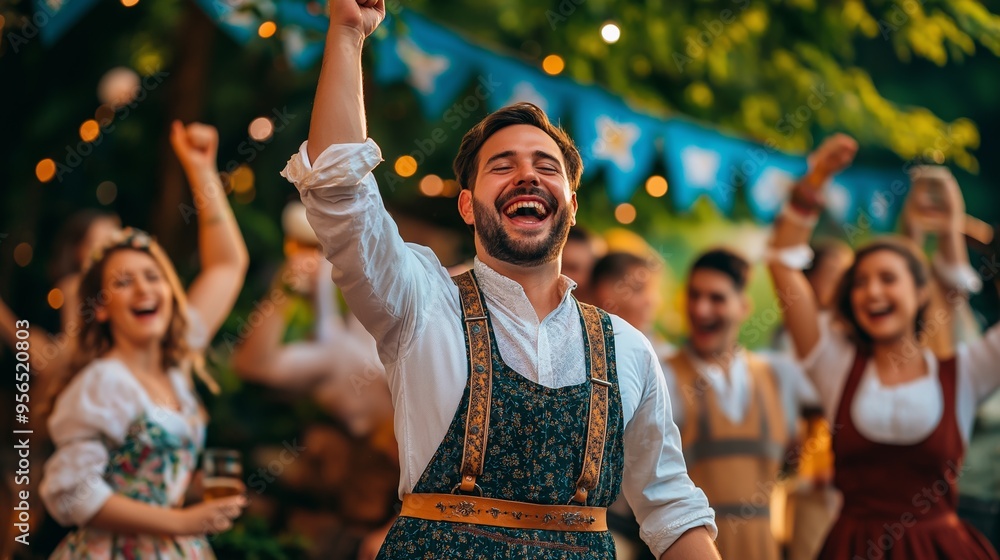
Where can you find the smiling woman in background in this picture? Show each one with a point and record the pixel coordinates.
(903, 415)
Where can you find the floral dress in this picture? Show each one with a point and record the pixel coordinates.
(112, 439)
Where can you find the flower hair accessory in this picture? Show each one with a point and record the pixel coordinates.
(129, 237)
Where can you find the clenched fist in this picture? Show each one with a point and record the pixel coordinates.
(196, 145)
(360, 15)
(835, 154)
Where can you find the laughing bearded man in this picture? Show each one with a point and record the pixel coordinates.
(521, 414)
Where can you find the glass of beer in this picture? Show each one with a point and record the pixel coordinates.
(223, 470)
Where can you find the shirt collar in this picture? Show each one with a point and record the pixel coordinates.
(509, 294)
(704, 368)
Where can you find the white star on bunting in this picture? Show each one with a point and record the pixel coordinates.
(701, 167)
(615, 141)
(424, 68)
(525, 91)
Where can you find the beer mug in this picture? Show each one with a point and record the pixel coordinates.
(223, 470)
(928, 184)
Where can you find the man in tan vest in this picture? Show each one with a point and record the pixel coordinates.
(736, 409)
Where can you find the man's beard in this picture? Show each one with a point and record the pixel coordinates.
(532, 252)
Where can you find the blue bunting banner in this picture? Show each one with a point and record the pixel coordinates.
(701, 161)
(55, 17)
(302, 51)
(516, 82)
(769, 177)
(839, 200)
(238, 20)
(877, 197)
(437, 62)
(616, 139)
(622, 143)
(303, 33)
(291, 12)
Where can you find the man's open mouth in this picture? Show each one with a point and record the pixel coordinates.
(527, 210)
(707, 327)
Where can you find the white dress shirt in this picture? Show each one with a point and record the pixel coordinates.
(407, 301)
(734, 388)
(906, 413)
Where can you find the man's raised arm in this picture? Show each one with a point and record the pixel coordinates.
(339, 112)
(384, 281)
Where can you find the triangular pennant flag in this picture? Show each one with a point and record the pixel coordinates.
(770, 176)
(515, 82)
(439, 64)
(614, 138)
(700, 162)
(234, 17)
(55, 17)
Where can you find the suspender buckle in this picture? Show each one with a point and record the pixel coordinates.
(469, 319)
(476, 488)
(601, 382)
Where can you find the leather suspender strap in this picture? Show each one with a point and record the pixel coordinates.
(597, 425)
(477, 418)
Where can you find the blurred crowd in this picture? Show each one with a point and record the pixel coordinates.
(121, 383)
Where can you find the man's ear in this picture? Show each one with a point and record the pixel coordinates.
(465, 206)
(573, 208)
(746, 306)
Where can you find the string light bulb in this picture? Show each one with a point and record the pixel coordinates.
(610, 32)
(625, 213)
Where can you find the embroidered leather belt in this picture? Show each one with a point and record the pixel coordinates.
(503, 513)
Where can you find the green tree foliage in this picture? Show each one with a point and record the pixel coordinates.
(764, 69)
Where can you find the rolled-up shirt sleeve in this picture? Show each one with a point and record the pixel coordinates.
(665, 501)
(380, 276)
(94, 411)
(980, 360)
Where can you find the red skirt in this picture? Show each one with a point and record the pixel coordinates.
(944, 538)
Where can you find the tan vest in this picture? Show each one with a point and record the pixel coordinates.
(735, 464)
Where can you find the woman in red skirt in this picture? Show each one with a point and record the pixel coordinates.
(900, 416)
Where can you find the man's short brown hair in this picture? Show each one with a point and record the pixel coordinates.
(518, 113)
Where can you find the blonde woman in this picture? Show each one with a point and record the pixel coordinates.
(128, 425)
